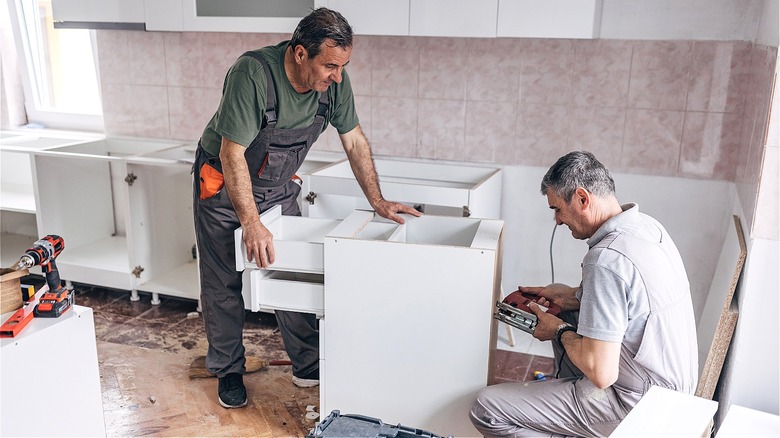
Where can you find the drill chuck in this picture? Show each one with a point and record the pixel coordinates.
(26, 262)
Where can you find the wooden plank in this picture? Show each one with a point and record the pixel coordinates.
(719, 319)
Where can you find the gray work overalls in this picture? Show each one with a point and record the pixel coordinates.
(273, 157)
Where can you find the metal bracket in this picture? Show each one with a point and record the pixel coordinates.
(466, 211)
(130, 178)
(310, 197)
(137, 271)
(515, 317)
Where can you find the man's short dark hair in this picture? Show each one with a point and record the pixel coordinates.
(320, 25)
(578, 169)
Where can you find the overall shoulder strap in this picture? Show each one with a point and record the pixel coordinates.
(270, 99)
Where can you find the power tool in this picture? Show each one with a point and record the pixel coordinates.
(43, 252)
(514, 310)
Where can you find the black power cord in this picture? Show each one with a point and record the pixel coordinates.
(552, 266)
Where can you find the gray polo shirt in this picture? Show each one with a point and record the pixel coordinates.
(635, 291)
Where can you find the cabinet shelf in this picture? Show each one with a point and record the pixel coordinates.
(103, 262)
(181, 282)
(17, 197)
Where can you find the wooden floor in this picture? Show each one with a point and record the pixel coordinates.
(148, 393)
(145, 351)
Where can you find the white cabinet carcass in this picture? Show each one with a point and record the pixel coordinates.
(406, 327)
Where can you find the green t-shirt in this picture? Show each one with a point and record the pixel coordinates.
(240, 112)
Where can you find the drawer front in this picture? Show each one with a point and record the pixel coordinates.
(293, 291)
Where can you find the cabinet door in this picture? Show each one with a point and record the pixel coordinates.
(98, 11)
(265, 16)
(163, 15)
(453, 18)
(549, 18)
(375, 17)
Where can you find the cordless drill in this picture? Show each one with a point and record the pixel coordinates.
(57, 299)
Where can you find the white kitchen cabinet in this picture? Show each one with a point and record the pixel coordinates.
(18, 206)
(443, 189)
(161, 230)
(375, 17)
(50, 378)
(408, 334)
(98, 14)
(82, 195)
(276, 16)
(549, 18)
(403, 309)
(453, 18)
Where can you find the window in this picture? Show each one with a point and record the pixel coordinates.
(59, 71)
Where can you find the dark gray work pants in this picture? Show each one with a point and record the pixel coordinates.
(221, 284)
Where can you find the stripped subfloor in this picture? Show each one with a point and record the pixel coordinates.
(145, 351)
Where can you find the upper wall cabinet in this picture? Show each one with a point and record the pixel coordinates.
(374, 17)
(98, 14)
(262, 16)
(453, 18)
(549, 18)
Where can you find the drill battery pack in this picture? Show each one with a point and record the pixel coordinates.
(349, 425)
(54, 304)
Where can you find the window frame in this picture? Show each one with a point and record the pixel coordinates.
(46, 117)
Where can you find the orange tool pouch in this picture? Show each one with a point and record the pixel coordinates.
(211, 181)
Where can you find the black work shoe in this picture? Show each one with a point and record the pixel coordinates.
(307, 380)
(232, 392)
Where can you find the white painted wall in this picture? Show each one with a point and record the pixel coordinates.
(696, 214)
(754, 359)
(682, 19)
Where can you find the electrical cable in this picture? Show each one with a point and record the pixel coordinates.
(552, 267)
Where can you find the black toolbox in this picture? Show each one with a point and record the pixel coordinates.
(350, 425)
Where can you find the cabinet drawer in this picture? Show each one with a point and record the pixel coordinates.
(280, 290)
(298, 242)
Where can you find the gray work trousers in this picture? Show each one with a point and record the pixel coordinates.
(570, 405)
(221, 285)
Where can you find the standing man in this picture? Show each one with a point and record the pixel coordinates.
(275, 103)
(634, 328)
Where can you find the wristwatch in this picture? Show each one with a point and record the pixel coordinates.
(563, 328)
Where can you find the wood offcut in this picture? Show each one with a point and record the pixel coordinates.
(719, 319)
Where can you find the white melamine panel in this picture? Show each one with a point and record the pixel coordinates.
(375, 17)
(410, 182)
(549, 18)
(658, 413)
(404, 316)
(453, 18)
(53, 366)
(293, 291)
(160, 228)
(109, 11)
(16, 185)
(163, 15)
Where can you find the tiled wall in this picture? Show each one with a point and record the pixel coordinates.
(693, 109)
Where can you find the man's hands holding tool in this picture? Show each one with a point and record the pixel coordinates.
(556, 293)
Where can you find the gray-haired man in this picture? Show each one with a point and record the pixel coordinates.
(629, 324)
